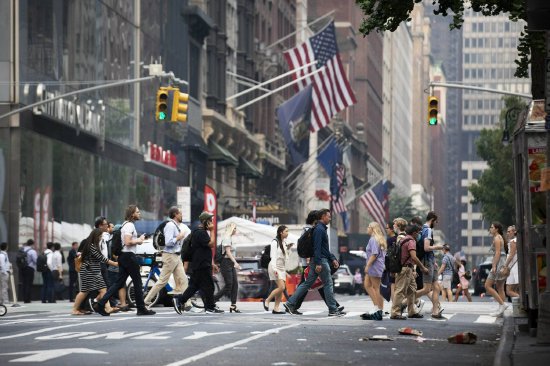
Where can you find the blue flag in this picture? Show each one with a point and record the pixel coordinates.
(329, 157)
(294, 121)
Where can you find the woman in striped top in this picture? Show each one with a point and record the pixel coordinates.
(89, 277)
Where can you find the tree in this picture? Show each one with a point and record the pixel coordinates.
(401, 206)
(494, 190)
(387, 15)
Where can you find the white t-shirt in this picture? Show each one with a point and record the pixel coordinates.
(105, 237)
(128, 229)
(57, 261)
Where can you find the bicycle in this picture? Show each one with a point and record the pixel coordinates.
(3, 309)
(149, 260)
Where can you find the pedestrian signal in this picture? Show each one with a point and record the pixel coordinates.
(433, 110)
(180, 106)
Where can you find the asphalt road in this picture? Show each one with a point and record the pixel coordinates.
(47, 334)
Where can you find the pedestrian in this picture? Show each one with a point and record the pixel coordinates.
(5, 271)
(280, 251)
(511, 264)
(405, 285)
(417, 220)
(391, 238)
(429, 279)
(128, 264)
(376, 256)
(311, 221)
(358, 281)
(27, 271)
(73, 274)
(229, 267)
(112, 271)
(464, 282)
(495, 275)
(446, 270)
(202, 242)
(57, 272)
(319, 267)
(175, 231)
(90, 277)
(48, 291)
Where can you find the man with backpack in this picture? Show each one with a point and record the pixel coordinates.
(405, 285)
(128, 264)
(430, 278)
(202, 242)
(44, 264)
(174, 231)
(26, 261)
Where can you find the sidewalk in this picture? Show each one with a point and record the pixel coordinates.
(60, 306)
(517, 347)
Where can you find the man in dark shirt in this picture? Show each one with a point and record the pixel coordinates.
(202, 242)
(73, 274)
(319, 266)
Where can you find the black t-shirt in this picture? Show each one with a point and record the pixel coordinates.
(202, 253)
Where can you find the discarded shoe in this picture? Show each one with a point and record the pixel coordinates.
(409, 331)
(463, 338)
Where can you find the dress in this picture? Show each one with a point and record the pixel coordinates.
(513, 278)
(90, 277)
(464, 283)
(276, 268)
(377, 267)
(496, 276)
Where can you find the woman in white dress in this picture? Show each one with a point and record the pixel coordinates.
(511, 264)
(276, 269)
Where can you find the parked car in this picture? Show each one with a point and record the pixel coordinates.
(479, 276)
(253, 279)
(343, 280)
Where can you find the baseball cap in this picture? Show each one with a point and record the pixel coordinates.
(205, 215)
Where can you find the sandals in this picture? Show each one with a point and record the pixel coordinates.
(80, 312)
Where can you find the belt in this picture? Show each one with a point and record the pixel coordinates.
(177, 253)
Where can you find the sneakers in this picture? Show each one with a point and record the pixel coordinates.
(214, 310)
(290, 309)
(91, 303)
(500, 311)
(366, 316)
(98, 308)
(340, 308)
(336, 313)
(145, 312)
(187, 307)
(438, 316)
(420, 305)
(148, 304)
(296, 312)
(176, 304)
(124, 308)
(375, 315)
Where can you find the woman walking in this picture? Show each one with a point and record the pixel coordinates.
(276, 268)
(89, 277)
(229, 267)
(496, 275)
(511, 265)
(464, 282)
(376, 254)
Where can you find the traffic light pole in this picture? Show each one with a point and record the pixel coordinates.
(488, 90)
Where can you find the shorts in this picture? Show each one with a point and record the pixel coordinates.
(276, 273)
(513, 278)
(431, 276)
(446, 281)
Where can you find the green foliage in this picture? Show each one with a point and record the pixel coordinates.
(401, 206)
(387, 15)
(494, 190)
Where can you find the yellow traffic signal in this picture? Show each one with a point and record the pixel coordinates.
(180, 106)
(163, 111)
(433, 110)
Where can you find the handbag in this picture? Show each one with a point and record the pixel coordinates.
(78, 263)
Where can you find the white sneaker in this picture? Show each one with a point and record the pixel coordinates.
(500, 311)
(420, 305)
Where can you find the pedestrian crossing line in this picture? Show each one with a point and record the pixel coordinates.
(313, 312)
(353, 314)
(486, 319)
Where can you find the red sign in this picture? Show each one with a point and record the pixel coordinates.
(211, 205)
(157, 155)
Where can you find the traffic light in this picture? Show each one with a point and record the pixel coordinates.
(163, 110)
(179, 109)
(433, 110)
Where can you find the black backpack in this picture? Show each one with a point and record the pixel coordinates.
(42, 263)
(305, 244)
(159, 241)
(116, 241)
(420, 253)
(393, 256)
(21, 259)
(266, 256)
(220, 253)
(186, 249)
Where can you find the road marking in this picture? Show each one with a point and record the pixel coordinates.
(200, 334)
(486, 319)
(49, 354)
(231, 345)
(44, 330)
(312, 312)
(182, 324)
(352, 314)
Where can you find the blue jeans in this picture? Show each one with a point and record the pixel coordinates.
(327, 286)
(47, 293)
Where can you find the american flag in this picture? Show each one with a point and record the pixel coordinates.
(331, 89)
(338, 200)
(375, 201)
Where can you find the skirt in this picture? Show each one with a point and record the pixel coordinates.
(276, 273)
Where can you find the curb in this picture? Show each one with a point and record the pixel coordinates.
(503, 355)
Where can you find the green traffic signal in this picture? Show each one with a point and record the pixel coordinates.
(162, 116)
(433, 121)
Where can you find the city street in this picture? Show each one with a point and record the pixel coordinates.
(47, 334)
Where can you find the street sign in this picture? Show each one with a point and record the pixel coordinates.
(183, 200)
(547, 88)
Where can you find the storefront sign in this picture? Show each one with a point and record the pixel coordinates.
(211, 205)
(78, 115)
(157, 155)
(183, 199)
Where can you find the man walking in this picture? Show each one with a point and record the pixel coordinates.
(128, 264)
(73, 274)
(174, 233)
(319, 266)
(27, 271)
(48, 291)
(202, 242)
(430, 278)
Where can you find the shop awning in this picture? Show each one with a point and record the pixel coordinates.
(248, 170)
(221, 155)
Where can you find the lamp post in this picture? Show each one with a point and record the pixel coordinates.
(512, 115)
